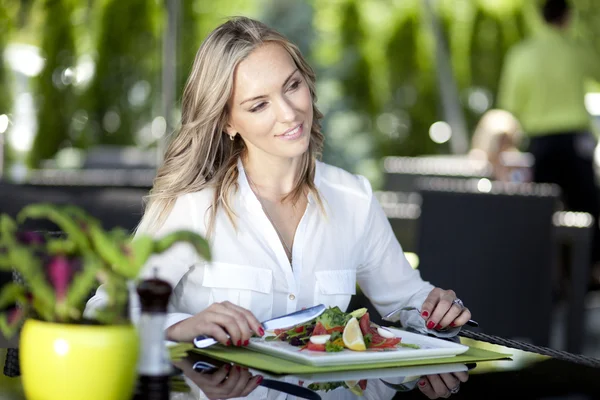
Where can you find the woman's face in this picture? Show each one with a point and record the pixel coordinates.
(271, 107)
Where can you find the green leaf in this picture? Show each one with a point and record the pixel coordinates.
(63, 219)
(410, 345)
(8, 227)
(368, 338)
(117, 293)
(199, 243)
(330, 347)
(9, 329)
(83, 283)
(32, 272)
(61, 246)
(12, 293)
(333, 317)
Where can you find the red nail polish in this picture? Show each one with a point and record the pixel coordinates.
(452, 324)
(261, 331)
(228, 343)
(227, 367)
(238, 367)
(438, 327)
(259, 379)
(422, 383)
(425, 314)
(239, 342)
(430, 325)
(246, 343)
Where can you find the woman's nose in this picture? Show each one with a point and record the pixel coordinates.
(285, 111)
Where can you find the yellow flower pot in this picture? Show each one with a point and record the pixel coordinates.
(74, 362)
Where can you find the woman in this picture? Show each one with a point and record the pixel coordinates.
(286, 230)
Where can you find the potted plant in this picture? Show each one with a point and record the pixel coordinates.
(62, 354)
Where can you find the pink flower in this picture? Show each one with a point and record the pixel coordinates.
(59, 273)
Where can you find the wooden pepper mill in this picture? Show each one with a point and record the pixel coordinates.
(154, 367)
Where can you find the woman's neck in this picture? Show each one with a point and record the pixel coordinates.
(274, 178)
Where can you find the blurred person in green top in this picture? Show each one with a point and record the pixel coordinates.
(543, 85)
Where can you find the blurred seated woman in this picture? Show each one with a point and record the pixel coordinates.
(497, 139)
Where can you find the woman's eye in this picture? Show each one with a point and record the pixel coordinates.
(294, 85)
(258, 107)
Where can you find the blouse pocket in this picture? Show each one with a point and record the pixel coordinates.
(246, 286)
(335, 287)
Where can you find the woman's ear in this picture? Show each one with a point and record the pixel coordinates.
(229, 130)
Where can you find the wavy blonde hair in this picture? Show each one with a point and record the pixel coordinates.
(201, 154)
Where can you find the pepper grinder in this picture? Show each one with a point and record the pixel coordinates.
(154, 367)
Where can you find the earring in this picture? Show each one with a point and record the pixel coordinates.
(232, 137)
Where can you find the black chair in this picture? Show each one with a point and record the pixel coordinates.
(402, 174)
(493, 244)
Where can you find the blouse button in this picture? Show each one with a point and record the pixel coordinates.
(292, 297)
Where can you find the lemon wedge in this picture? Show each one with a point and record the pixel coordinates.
(359, 313)
(354, 388)
(352, 336)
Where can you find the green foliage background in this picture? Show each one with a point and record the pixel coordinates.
(375, 61)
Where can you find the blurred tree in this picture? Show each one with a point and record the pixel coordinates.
(188, 43)
(5, 87)
(355, 71)
(54, 91)
(5, 29)
(120, 97)
(412, 82)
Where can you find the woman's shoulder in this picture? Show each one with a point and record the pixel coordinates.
(344, 182)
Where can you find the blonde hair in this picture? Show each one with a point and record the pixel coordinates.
(493, 129)
(201, 154)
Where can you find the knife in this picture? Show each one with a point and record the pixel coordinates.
(285, 321)
(281, 386)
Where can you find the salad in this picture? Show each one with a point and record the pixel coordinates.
(335, 330)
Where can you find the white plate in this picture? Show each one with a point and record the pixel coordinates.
(429, 348)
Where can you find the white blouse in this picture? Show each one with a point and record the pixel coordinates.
(352, 243)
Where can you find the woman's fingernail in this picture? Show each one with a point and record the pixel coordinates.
(259, 379)
(228, 343)
(227, 367)
(430, 325)
(246, 343)
(438, 326)
(422, 383)
(261, 331)
(452, 324)
(239, 342)
(425, 314)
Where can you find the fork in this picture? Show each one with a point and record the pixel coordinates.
(394, 316)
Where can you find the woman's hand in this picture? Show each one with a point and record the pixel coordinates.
(442, 385)
(226, 382)
(442, 309)
(218, 321)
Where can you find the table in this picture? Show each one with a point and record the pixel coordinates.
(526, 375)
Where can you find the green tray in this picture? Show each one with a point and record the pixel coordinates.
(265, 362)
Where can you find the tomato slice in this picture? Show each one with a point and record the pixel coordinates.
(315, 347)
(378, 341)
(365, 324)
(336, 329)
(319, 329)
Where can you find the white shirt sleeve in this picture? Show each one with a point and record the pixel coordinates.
(384, 275)
(171, 266)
